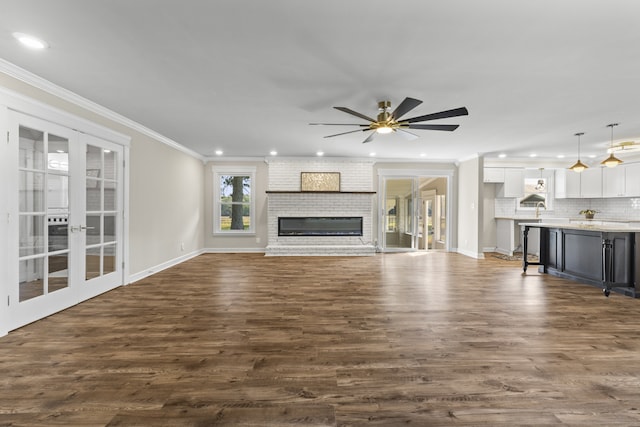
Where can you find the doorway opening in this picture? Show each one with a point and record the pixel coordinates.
(414, 213)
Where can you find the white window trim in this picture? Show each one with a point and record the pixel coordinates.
(549, 176)
(219, 171)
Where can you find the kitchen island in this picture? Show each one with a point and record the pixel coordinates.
(595, 253)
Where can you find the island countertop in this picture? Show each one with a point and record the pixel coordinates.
(610, 227)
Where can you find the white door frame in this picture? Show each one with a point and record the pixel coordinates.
(415, 173)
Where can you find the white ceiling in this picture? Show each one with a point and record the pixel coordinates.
(248, 76)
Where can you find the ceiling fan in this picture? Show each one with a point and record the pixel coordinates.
(387, 122)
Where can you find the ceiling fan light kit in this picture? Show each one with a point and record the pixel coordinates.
(387, 122)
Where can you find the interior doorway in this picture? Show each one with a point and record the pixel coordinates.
(413, 216)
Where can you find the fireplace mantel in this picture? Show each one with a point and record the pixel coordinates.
(320, 192)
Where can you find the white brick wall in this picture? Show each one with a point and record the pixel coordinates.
(355, 175)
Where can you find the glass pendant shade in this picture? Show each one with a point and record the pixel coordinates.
(611, 161)
(578, 166)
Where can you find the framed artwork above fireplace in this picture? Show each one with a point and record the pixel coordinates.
(320, 181)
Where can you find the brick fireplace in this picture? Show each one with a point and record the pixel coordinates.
(355, 199)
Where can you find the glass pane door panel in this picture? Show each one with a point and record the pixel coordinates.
(93, 260)
(110, 159)
(94, 162)
(58, 272)
(58, 153)
(109, 259)
(94, 229)
(399, 209)
(94, 195)
(109, 228)
(58, 229)
(32, 235)
(31, 191)
(109, 196)
(31, 149)
(31, 283)
(58, 192)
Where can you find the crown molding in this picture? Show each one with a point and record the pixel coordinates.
(38, 82)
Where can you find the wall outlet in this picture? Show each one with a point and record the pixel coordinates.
(182, 246)
(257, 240)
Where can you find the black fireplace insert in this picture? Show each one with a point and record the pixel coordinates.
(320, 226)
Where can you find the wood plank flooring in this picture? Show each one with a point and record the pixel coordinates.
(428, 339)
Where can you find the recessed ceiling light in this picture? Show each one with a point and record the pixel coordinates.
(219, 152)
(423, 154)
(273, 152)
(502, 155)
(372, 154)
(30, 41)
(591, 156)
(533, 155)
(320, 153)
(560, 156)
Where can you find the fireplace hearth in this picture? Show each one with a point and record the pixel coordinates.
(320, 226)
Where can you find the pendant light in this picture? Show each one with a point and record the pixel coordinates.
(611, 161)
(578, 166)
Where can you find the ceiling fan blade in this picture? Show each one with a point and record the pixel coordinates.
(370, 137)
(462, 111)
(407, 135)
(344, 133)
(405, 106)
(434, 127)
(354, 113)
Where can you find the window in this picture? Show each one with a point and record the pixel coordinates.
(233, 201)
(537, 191)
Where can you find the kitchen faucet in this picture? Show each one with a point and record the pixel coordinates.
(540, 203)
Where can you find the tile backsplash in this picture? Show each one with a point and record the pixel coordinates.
(622, 208)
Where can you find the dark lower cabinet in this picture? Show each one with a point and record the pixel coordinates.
(600, 258)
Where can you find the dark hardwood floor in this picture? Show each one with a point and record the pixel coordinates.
(428, 339)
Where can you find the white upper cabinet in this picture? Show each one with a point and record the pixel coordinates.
(567, 184)
(494, 175)
(591, 183)
(613, 181)
(632, 179)
(573, 185)
(513, 183)
(595, 182)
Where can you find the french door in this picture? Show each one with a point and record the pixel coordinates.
(68, 214)
(399, 216)
(413, 210)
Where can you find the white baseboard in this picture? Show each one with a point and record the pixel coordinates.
(155, 269)
(471, 254)
(233, 250)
